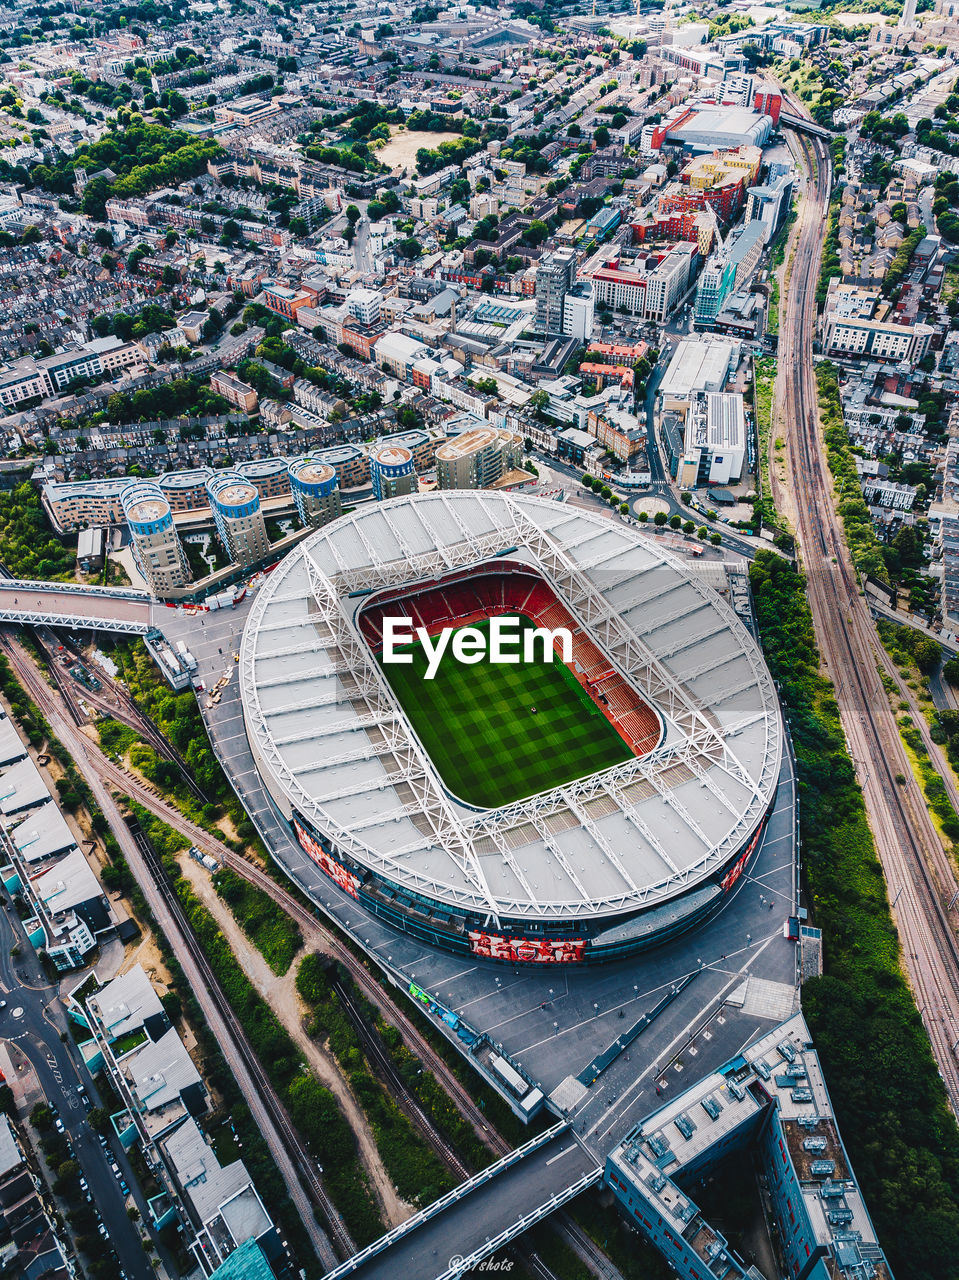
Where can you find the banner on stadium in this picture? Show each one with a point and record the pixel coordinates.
(528, 950)
(339, 875)
(739, 866)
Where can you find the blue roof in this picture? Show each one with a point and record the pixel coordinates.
(248, 1262)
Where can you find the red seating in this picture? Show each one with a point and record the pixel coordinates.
(466, 601)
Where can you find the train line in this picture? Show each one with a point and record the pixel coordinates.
(918, 871)
(122, 706)
(211, 994)
(306, 1165)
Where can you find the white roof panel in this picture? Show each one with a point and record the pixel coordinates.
(325, 722)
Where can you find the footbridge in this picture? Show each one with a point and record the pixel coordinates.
(478, 1218)
(68, 604)
(789, 121)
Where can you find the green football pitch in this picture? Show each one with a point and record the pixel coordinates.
(486, 742)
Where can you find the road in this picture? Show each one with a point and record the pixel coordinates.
(32, 1024)
(918, 871)
(292, 1159)
(361, 246)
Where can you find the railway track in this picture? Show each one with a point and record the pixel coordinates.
(123, 707)
(306, 1166)
(292, 1146)
(918, 871)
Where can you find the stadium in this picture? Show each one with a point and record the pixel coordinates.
(540, 812)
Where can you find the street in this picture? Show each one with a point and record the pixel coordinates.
(33, 1022)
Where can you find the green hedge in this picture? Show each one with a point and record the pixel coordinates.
(417, 1173)
(857, 522)
(889, 1097)
(265, 923)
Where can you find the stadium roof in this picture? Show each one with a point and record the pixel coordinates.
(331, 740)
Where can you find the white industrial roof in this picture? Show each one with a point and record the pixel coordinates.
(332, 742)
(699, 364)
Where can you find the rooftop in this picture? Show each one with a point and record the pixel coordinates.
(331, 744)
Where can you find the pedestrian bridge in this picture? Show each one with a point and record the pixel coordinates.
(454, 1234)
(787, 121)
(68, 604)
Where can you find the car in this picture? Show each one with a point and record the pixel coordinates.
(83, 1184)
(115, 1167)
(59, 1125)
(102, 1229)
(3, 1004)
(124, 1188)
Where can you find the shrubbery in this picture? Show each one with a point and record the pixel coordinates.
(889, 1097)
(265, 923)
(857, 522)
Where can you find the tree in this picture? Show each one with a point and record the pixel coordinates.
(675, 521)
(587, 480)
(702, 533)
(41, 1117)
(643, 517)
(601, 136)
(353, 214)
(688, 527)
(659, 518)
(715, 539)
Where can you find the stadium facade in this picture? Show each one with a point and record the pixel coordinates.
(594, 867)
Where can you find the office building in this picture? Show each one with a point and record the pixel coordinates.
(715, 439)
(649, 286)
(364, 306)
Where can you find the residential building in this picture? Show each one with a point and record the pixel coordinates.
(770, 1099)
(156, 544)
(315, 491)
(392, 471)
(238, 517)
(555, 275)
(578, 312)
(236, 392)
(478, 459)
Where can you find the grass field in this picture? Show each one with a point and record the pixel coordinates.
(489, 747)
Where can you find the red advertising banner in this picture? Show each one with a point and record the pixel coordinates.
(339, 875)
(739, 866)
(528, 950)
